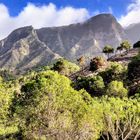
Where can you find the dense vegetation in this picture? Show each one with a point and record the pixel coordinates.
(46, 105)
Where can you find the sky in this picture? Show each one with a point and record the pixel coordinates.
(47, 13)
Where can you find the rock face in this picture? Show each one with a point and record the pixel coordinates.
(23, 50)
(26, 47)
(133, 32)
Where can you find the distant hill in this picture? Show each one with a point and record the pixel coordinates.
(27, 47)
(133, 32)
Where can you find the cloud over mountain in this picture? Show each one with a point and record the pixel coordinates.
(40, 16)
(132, 15)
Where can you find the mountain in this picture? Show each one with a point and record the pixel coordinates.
(23, 50)
(27, 47)
(133, 32)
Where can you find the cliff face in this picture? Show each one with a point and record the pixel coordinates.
(23, 50)
(26, 47)
(83, 39)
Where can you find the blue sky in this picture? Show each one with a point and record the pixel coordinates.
(47, 13)
(118, 6)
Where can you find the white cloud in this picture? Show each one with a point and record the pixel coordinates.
(40, 16)
(133, 14)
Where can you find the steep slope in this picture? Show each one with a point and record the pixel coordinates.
(133, 32)
(26, 47)
(86, 38)
(23, 50)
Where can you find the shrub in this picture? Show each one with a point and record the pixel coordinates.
(96, 63)
(134, 68)
(116, 89)
(7, 124)
(115, 71)
(93, 85)
(65, 67)
(50, 108)
(126, 45)
(121, 118)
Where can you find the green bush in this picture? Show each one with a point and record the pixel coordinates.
(93, 85)
(7, 124)
(50, 108)
(126, 45)
(120, 115)
(65, 67)
(134, 68)
(115, 71)
(116, 89)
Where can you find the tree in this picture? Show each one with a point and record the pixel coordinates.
(65, 67)
(114, 71)
(126, 45)
(120, 48)
(134, 68)
(136, 45)
(108, 50)
(7, 125)
(93, 85)
(49, 108)
(116, 89)
(121, 119)
(134, 75)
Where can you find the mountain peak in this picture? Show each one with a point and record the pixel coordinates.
(20, 33)
(103, 16)
(27, 47)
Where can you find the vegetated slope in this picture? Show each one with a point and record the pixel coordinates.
(123, 58)
(46, 104)
(26, 47)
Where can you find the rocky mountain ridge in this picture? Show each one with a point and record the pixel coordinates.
(27, 47)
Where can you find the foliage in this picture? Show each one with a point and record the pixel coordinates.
(65, 67)
(96, 63)
(121, 118)
(134, 75)
(44, 106)
(108, 50)
(134, 68)
(50, 108)
(125, 45)
(7, 126)
(115, 71)
(93, 85)
(116, 89)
